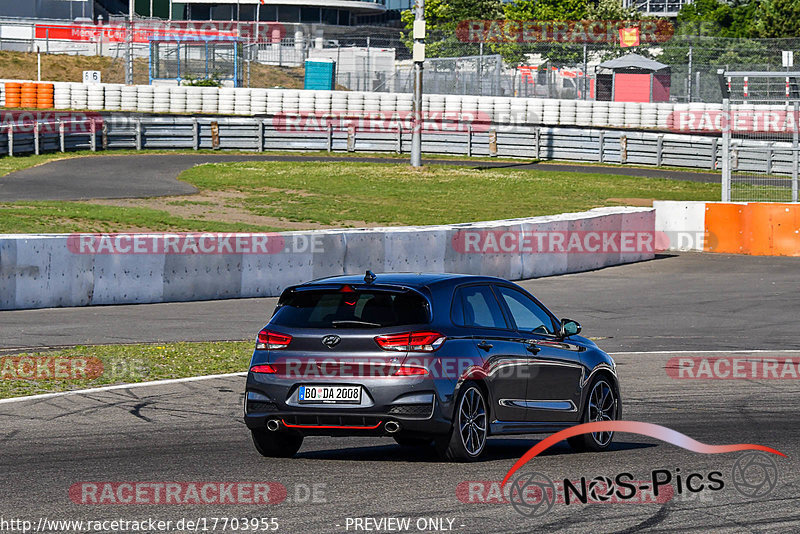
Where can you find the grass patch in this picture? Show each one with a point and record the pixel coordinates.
(269, 196)
(122, 364)
(66, 217)
(332, 193)
(69, 68)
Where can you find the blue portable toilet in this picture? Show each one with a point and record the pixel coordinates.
(320, 74)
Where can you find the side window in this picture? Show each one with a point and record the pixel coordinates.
(528, 315)
(477, 306)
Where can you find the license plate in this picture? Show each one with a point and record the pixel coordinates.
(330, 394)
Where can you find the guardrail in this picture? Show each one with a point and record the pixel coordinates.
(447, 137)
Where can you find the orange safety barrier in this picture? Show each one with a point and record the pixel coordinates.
(44, 96)
(724, 228)
(757, 228)
(13, 94)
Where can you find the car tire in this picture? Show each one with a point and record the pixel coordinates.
(276, 444)
(466, 440)
(602, 404)
(413, 441)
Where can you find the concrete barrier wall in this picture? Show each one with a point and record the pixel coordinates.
(38, 271)
(757, 228)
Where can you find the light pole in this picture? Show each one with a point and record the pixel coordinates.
(129, 44)
(418, 54)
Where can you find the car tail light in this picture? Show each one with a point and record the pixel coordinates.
(263, 369)
(409, 370)
(272, 341)
(411, 341)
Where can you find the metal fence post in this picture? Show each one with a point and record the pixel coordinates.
(36, 137)
(104, 135)
(469, 140)
(795, 148)
(493, 142)
(260, 135)
(62, 141)
(714, 151)
(195, 134)
(601, 147)
(659, 149)
(537, 142)
(399, 148)
(351, 138)
(329, 138)
(623, 149)
(10, 141)
(770, 156)
(726, 151)
(93, 136)
(138, 133)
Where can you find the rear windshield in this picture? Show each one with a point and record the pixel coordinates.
(355, 309)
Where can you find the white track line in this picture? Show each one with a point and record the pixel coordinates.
(119, 386)
(738, 351)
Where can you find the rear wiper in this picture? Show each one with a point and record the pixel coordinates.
(354, 323)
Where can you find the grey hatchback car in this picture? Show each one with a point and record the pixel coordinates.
(428, 359)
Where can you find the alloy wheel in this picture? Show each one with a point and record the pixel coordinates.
(472, 421)
(602, 407)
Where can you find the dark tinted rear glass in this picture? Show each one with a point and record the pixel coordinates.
(358, 309)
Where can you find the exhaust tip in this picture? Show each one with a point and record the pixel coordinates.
(273, 425)
(391, 427)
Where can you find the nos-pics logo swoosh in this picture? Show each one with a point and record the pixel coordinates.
(633, 427)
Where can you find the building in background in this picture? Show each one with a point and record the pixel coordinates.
(48, 9)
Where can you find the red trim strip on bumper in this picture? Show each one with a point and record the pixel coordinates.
(344, 427)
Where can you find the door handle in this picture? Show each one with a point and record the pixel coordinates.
(533, 348)
(485, 346)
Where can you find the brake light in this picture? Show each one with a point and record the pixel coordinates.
(272, 341)
(263, 369)
(411, 341)
(408, 370)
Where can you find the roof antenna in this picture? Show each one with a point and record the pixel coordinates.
(369, 277)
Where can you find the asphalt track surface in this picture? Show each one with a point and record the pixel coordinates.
(192, 431)
(139, 176)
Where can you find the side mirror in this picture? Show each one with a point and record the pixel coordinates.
(569, 328)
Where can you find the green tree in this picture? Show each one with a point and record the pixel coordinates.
(441, 20)
(777, 18)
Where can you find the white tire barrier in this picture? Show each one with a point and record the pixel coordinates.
(95, 97)
(258, 101)
(227, 97)
(210, 102)
(62, 98)
(583, 112)
(177, 99)
(113, 97)
(616, 114)
(145, 98)
(161, 95)
(241, 101)
(633, 115)
(551, 111)
(535, 110)
(567, 112)
(78, 95)
(130, 97)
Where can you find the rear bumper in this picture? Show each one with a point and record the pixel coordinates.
(414, 404)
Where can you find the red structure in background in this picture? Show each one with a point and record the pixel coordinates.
(634, 78)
